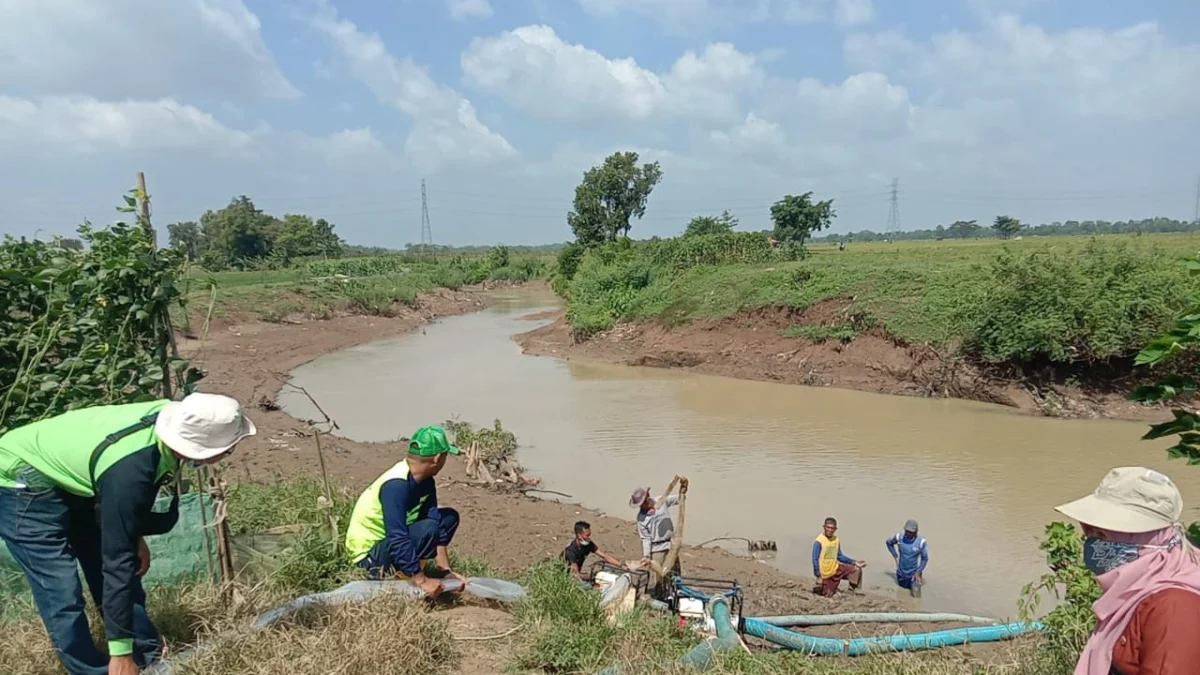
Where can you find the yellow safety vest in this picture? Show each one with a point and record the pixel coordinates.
(366, 526)
(829, 555)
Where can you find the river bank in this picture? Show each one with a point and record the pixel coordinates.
(770, 345)
(249, 359)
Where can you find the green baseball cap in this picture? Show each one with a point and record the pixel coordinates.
(430, 442)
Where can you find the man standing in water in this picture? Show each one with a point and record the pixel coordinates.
(77, 491)
(830, 565)
(397, 526)
(911, 553)
(655, 527)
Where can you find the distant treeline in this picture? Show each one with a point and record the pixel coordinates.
(443, 250)
(1070, 227)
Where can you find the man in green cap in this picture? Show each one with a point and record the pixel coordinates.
(397, 527)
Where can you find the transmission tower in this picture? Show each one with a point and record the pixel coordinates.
(426, 231)
(1196, 213)
(893, 225)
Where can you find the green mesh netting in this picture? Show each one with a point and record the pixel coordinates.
(176, 556)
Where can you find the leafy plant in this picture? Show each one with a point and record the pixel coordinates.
(610, 195)
(82, 328)
(1069, 624)
(797, 217)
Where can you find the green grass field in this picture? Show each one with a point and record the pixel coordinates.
(1062, 298)
(368, 285)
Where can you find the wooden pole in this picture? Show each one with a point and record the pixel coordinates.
(144, 197)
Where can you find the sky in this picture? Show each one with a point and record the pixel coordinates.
(1043, 110)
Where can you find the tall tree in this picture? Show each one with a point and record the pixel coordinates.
(236, 233)
(711, 224)
(796, 218)
(186, 237)
(1007, 226)
(610, 195)
(963, 229)
(298, 236)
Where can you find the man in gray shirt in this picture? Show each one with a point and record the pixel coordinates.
(655, 527)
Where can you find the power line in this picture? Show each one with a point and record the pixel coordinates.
(893, 225)
(426, 230)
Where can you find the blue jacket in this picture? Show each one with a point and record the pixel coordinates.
(399, 498)
(912, 555)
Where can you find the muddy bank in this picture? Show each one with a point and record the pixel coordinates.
(244, 358)
(759, 345)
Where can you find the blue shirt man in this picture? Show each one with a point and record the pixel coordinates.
(911, 553)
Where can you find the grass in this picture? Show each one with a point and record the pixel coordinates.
(376, 286)
(563, 629)
(1055, 298)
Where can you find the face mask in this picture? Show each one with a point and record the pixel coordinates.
(1102, 556)
(585, 542)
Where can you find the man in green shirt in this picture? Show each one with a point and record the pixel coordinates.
(77, 491)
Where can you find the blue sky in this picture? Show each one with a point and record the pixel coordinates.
(1041, 109)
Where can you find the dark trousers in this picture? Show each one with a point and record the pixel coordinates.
(52, 535)
(426, 535)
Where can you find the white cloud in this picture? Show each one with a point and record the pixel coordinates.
(87, 125)
(853, 12)
(136, 49)
(470, 9)
(535, 70)
(1132, 73)
(446, 128)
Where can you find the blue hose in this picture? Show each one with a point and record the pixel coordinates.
(891, 643)
(871, 617)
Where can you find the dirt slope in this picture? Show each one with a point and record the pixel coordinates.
(245, 358)
(752, 345)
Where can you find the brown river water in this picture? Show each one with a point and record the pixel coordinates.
(766, 460)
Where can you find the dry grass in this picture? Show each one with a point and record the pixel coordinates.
(387, 635)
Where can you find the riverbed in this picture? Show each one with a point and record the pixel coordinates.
(767, 461)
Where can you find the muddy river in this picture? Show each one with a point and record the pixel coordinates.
(767, 461)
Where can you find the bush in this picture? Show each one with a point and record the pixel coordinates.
(1069, 624)
(606, 287)
(566, 264)
(1103, 301)
(710, 249)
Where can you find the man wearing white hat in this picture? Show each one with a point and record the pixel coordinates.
(77, 491)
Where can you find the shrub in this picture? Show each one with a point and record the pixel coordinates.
(606, 287)
(1103, 301)
(1069, 624)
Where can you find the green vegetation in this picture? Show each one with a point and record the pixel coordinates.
(609, 195)
(378, 286)
(1047, 300)
(86, 327)
(969, 229)
(242, 235)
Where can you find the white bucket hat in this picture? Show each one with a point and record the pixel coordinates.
(203, 426)
(1130, 499)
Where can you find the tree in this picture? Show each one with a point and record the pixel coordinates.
(711, 224)
(963, 229)
(298, 236)
(1007, 226)
(236, 233)
(186, 237)
(796, 218)
(610, 195)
